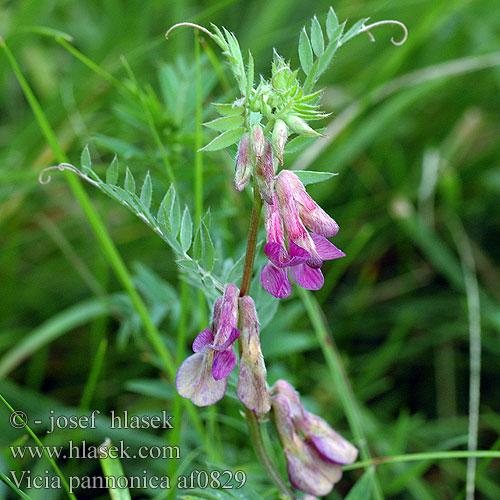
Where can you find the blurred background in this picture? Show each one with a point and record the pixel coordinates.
(415, 139)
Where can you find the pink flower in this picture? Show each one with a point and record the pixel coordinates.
(202, 377)
(301, 253)
(264, 172)
(251, 388)
(314, 452)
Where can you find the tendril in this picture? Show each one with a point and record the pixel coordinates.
(61, 167)
(366, 29)
(192, 25)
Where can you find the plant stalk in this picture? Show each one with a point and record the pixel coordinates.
(254, 428)
(246, 280)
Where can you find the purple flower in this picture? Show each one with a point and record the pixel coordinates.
(245, 162)
(264, 170)
(251, 389)
(202, 377)
(302, 252)
(314, 452)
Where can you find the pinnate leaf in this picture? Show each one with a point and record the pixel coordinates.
(228, 109)
(317, 40)
(311, 177)
(147, 192)
(225, 123)
(305, 52)
(353, 31)
(186, 234)
(332, 23)
(224, 140)
(129, 181)
(112, 172)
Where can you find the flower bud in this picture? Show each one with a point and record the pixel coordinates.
(300, 127)
(280, 135)
(251, 389)
(265, 173)
(258, 141)
(245, 161)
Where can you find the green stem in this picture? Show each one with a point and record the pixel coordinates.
(254, 428)
(341, 382)
(432, 455)
(252, 242)
(258, 443)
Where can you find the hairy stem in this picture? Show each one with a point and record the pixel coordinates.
(254, 428)
(252, 242)
(260, 449)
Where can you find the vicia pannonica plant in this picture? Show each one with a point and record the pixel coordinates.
(263, 121)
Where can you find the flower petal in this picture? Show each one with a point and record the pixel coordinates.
(277, 254)
(203, 339)
(228, 314)
(265, 174)
(251, 388)
(275, 281)
(235, 333)
(315, 218)
(335, 450)
(307, 277)
(194, 380)
(273, 222)
(312, 215)
(308, 472)
(297, 254)
(216, 313)
(224, 363)
(330, 445)
(326, 250)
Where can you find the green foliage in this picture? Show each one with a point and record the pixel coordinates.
(362, 490)
(395, 305)
(310, 177)
(282, 96)
(112, 469)
(174, 228)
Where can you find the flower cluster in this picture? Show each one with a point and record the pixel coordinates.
(297, 228)
(202, 377)
(291, 248)
(314, 452)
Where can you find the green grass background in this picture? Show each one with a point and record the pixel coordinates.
(415, 139)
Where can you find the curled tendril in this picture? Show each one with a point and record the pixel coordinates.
(275, 75)
(61, 167)
(192, 25)
(366, 29)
